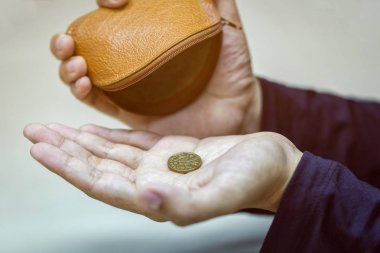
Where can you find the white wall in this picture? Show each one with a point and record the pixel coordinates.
(325, 44)
(328, 45)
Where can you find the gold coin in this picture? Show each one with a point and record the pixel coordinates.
(184, 162)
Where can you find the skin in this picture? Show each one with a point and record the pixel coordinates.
(128, 169)
(233, 90)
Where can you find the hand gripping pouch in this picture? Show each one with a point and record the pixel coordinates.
(150, 57)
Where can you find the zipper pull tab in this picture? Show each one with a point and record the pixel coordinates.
(232, 24)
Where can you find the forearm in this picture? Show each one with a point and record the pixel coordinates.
(325, 208)
(340, 129)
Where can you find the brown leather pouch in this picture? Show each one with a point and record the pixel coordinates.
(150, 57)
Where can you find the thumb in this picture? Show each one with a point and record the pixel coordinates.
(185, 207)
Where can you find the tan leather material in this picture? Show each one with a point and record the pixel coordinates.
(118, 43)
(173, 86)
(131, 51)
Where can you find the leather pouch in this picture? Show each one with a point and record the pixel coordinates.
(150, 57)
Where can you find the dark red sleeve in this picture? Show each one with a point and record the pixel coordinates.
(344, 130)
(325, 208)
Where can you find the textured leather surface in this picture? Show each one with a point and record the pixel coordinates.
(175, 84)
(119, 43)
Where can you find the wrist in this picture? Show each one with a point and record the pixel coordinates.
(277, 164)
(252, 119)
(293, 158)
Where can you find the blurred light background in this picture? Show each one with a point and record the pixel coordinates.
(329, 45)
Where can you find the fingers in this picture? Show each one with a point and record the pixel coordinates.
(68, 152)
(82, 88)
(62, 46)
(104, 180)
(140, 139)
(112, 3)
(85, 92)
(73, 72)
(103, 148)
(73, 69)
(109, 188)
(70, 168)
(38, 133)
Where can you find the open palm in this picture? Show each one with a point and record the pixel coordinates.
(228, 105)
(128, 169)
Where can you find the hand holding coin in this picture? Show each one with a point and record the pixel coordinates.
(138, 171)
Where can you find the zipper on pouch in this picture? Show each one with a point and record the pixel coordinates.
(232, 24)
(165, 57)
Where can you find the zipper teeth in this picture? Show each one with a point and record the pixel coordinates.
(167, 56)
(232, 24)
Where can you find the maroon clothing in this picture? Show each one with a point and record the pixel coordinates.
(327, 207)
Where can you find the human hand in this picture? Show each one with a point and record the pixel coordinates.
(128, 169)
(230, 104)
